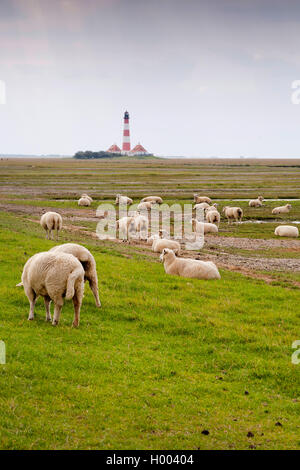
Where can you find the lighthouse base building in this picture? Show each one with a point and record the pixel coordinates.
(126, 149)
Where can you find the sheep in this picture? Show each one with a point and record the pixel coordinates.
(201, 205)
(53, 276)
(125, 225)
(87, 197)
(213, 217)
(198, 199)
(161, 234)
(84, 201)
(145, 205)
(282, 209)
(161, 243)
(51, 221)
(155, 199)
(203, 227)
(88, 262)
(123, 200)
(186, 267)
(256, 202)
(287, 231)
(235, 213)
(214, 207)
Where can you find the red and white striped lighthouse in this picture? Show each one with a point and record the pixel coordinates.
(126, 134)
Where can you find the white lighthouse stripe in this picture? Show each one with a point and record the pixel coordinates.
(126, 127)
(126, 138)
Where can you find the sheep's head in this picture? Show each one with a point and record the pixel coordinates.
(260, 198)
(289, 206)
(117, 198)
(195, 197)
(166, 254)
(224, 208)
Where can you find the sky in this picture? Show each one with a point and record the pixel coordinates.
(199, 78)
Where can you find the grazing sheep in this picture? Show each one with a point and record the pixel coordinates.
(203, 227)
(213, 217)
(235, 213)
(282, 209)
(161, 243)
(54, 276)
(84, 201)
(155, 199)
(287, 231)
(87, 197)
(256, 202)
(88, 262)
(125, 225)
(201, 205)
(145, 205)
(123, 200)
(51, 221)
(187, 267)
(198, 199)
(214, 207)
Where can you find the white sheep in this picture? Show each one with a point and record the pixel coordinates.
(87, 197)
(126, 225)
(287, 231)
(161, 234)
(88, 262)
(143, 206)
(84, 201)
(235, 213)
(51, 221)
(282, 209)
(213, 207)
(204, 227)
(201, 205)
(159, 244)
(140, 226)
(213, 217)
(187, 267)
(155, 199)
(198, 199)
(256, 202)
(54, 276)
(123, 200)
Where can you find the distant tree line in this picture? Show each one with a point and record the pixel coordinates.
(88, 154)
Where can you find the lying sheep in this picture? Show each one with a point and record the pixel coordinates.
(155, 199)
(145, 205)
(203, 227)
(87, 197)
(198, 199)
(84, 201)
(51, 221)
(187, 267)
(201, 205)
(123, 200)
(160, 244)
(88, 262)
(161, 234)
(256, 202)
(54, 276)
(282, 209)
(287, 231)
(213, 217)
(231, 213)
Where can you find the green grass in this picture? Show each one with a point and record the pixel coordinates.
(164, 359)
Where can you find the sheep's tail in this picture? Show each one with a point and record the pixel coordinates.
(73, 276)
(20, 284)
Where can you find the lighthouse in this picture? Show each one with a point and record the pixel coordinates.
(126, 134)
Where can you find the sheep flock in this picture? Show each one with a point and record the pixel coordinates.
(60, 273)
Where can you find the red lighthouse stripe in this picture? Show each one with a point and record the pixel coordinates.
(126, 146)
(126, 121)
(126, 132)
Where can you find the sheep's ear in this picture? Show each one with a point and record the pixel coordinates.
(176, 251)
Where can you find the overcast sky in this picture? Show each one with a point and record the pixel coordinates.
(199, 78)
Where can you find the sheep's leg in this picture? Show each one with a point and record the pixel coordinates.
(47, 301)
(32, 300)
(57, 312)
(94, 288)
(46, 234)
(77, 305)
(57, 234)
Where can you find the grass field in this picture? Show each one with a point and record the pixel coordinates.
(165, 358)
